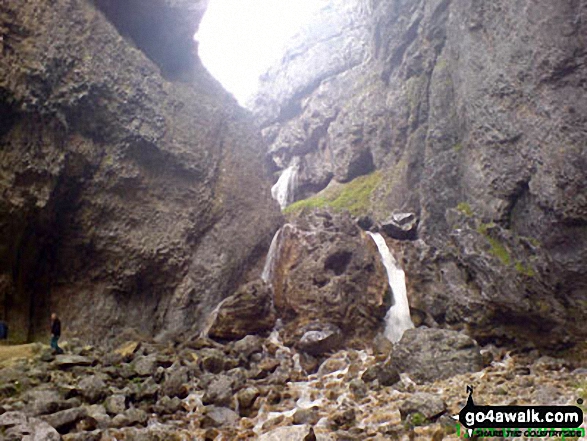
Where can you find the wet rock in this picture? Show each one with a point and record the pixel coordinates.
(219, 417)
(431, 354)
(320, 338)
(92, 389)
(358, 388)
(65, 419)
(401, 226)
(366, 223)
(386, 374)
(248, 311)
(145, 365)
(115, 404)
(292, 433)
(428, 405)
(343, 419)
(306, 416)
(246, 397)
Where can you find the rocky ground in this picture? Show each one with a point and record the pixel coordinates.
(257, 388)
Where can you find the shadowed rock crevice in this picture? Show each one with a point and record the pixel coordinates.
(162, 29)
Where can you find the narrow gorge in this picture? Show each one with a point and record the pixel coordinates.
(398, 212)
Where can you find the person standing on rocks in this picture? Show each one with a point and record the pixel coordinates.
(55, 333)
(3, 330)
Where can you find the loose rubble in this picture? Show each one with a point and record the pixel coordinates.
(257, 388)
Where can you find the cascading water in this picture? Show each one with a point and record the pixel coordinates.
(270, 259)
(284, 188)
(397, 319)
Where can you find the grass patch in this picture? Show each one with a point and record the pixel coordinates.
(354, 196)
(497, 248)
(465, 208)
(526, 270)
(457, 147)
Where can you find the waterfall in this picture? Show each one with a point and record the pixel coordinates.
(270, 259)
(284, 188)
(397, 319)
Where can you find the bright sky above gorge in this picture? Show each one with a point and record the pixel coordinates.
(239, 39)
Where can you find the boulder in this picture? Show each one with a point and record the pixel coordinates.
(428, 405)
(219, 391)
(212, 360)
(248, 311)
(320, 338)
(401, 226)
(115, 404)
(18, 426)
(246, 397)
(247, 346)
(302, 432)
(41, 402)
(65, 419)
(167, 406)
(145, 365)
(386, 374)
(92, 389)
(327, 270)
(428, 354)
(175, 382)
(64, 361)
(130, 417)
(219, 417)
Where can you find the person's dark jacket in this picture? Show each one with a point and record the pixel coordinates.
(56, 327)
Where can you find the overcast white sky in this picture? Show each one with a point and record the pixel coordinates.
(239, 39)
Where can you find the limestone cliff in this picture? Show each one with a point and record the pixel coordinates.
(131, 184)
(471, 111)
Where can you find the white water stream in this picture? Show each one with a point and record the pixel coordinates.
(284, 188)
(397, 319)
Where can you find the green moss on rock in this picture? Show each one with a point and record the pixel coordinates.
(465, 208)
(497, 248)
(526, 270)
(354, 196)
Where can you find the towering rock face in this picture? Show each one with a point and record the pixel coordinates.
(470, 110)
(131, 183)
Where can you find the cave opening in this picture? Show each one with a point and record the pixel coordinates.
(238, 41)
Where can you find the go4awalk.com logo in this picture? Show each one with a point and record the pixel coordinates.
(518, 421)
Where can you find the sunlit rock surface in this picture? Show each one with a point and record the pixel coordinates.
(470, 111)
(126, 199)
